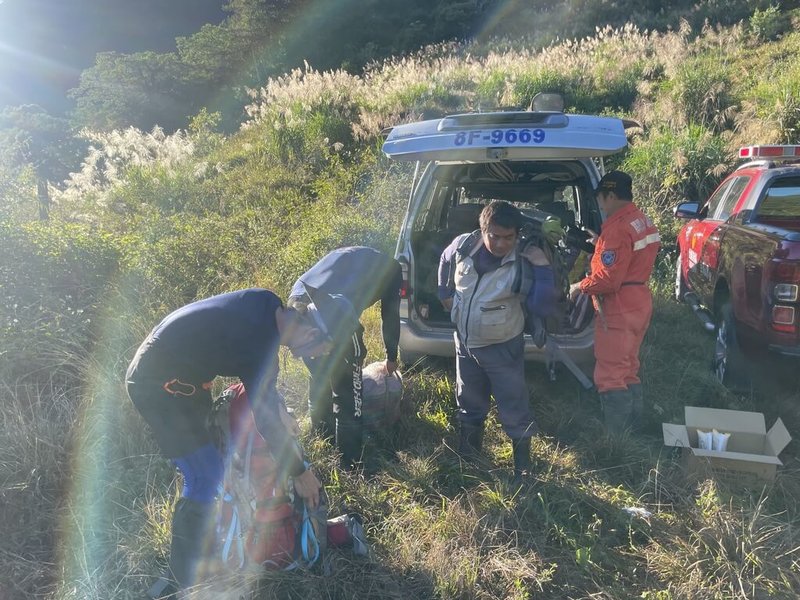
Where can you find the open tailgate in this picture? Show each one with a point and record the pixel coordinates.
(479, 137)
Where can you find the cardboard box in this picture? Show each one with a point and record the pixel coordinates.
(752, 451)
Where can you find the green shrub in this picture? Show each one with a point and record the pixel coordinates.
(567, 83)
(669, 166)
(360, 206)
(776, 102)
(725, 12)
(18, 199)
(305, 115)
(610, 87)
(248, 177)
(614, 88)
(431, 97)
(186, 257)
(701, 93)
(490, 88)
(768, 24)
(112, 156)
(54, 277)
(308, 139)
(168, 190)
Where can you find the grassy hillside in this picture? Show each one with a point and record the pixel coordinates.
(153, 221)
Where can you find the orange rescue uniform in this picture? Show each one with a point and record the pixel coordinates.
(622, 263)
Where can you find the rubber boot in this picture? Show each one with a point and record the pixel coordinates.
(617, 408)
(320, 410)
(189, 525)
(522, 459)
(324, 427)
(320, 401)
(470, 440)
(349, 439)
(163, 589)
(637, 403)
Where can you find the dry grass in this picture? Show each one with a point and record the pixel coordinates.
(86, 483)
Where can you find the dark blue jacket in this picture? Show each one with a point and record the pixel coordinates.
(362, 275)
(231, 335)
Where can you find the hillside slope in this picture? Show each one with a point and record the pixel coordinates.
(153, 221)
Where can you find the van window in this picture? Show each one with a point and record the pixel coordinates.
(451, 197)
(432, 211)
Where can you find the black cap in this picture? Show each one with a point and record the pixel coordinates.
(617, 182)
(336, 311)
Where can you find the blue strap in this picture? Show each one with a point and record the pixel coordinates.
(309, 539)
(234, 533)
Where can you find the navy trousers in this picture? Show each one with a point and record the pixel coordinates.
(496, 370)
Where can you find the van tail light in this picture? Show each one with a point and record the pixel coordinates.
(785, 277)
(405, 286)
(784, 271)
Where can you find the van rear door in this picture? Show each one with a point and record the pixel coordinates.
(482, 137)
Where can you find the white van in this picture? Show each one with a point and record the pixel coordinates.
(545, 162)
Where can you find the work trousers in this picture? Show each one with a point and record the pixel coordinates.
(335, 384)
(496, 370)
(618, 337)
(176, 410)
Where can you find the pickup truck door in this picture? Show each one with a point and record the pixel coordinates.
(705, 236)
(745, 255)
(756, 238)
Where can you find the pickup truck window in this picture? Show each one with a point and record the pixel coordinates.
(782, 201)
(716, 199)
(731, 197)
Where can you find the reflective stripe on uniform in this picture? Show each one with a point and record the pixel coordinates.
(651, 238)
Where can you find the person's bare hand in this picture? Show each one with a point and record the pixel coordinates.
(448, 303)
(391, 366)
(574, 291)
(307, 487)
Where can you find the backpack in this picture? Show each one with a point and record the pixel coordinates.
(563, 251)
(260, 520)
(566, 252)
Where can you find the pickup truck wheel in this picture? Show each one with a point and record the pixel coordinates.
(730, 365)
(680, 283)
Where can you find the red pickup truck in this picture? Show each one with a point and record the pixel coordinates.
(738, 261)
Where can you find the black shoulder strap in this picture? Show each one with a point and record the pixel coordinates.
(468, 243)
(523, 272)
(462, 251)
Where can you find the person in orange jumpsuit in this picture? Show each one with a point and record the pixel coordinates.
(621, 265)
